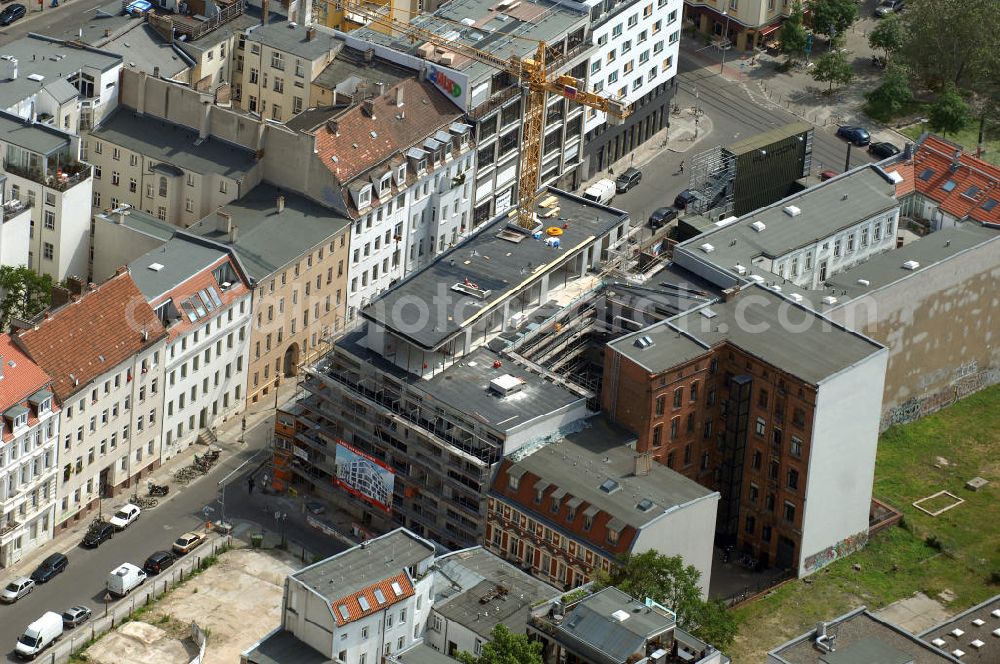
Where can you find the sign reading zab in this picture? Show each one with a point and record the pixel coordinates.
(451, 83)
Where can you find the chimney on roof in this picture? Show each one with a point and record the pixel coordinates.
(369, 56)
(156, 71)
(223, 222)
(381, 88)
(234, 234)
(368, 108)
(264, 11)
(60, 297)
(331, 126)
(643, 464)
(107, 32)
(399, 96)
(310, 33)
(956, 160)
(908, 151)
(281, 204)
(75, 286)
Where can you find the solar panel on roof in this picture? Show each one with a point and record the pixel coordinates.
(215, 296)
(204, 298)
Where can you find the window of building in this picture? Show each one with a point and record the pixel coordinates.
(759, 426)
(678, 397)
(657, 435)
(793, 478)
(796, 447)
(750, 524)
(48, 251)
(789, 512)
(755, 460)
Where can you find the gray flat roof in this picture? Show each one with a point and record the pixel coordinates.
(180, 258)
(360, 567)
(464, 386)
(580, 462)
(549, 21)
(95, 24)
(478, 573)
(989, 652)
(350, 68)
(765, 138)
(143, 222)
(174, 144)
(884, 269)
(285, 648)
(421, 654)
(825, 209)
(31, 136)
(591, 631)
(268, 240)
(770, 327)
(51, 58)
(492, 263)
(860, 629)
(143, 49)
(226, 30)
(291, 38)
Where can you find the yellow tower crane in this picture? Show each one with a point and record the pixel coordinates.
(531, 73)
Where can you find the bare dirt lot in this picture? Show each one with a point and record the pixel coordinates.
(237, 601)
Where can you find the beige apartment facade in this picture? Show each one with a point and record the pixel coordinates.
(748, 24)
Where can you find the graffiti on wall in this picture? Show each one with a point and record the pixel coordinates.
(968, 379)
(844, 547)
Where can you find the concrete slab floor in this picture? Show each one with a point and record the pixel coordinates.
(914, 614)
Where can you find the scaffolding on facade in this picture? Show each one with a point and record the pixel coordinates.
(711, 182)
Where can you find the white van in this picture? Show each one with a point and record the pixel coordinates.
(39, 635)
(125, 579)
(601, 191)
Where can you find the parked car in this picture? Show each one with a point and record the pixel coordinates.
(684, 199)
(75, 615)
(662, 216)
(883, 150)
(51, 566)
(124, 517)
(188, 542)
(12, 13)
(39, 635)
(17, 589)
(601, 191)
(827, 175)
(858, 136)
(630, 178)
(124, 579)
(158, 561)
(887, 7)
(98, 533)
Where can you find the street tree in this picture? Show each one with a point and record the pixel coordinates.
(949, 114)
(666, 580)
(793, 33)
(892, 95)
(952, 41)
(833, 67)
(505, 647)
(888, 36)
(833, 18)
(23, 294)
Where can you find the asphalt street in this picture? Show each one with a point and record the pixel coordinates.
(62, 22)
(735, 116)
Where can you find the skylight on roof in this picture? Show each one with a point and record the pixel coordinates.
(927, 174)
(644, 505)
(989, 204)
(198, 307)
(396, 588)
(342, 610)
(971, 192)
(379, 596)
(204, 298)
(949, 185)
(215, 296)
(363, 601)
(189, 310)
(610, 486)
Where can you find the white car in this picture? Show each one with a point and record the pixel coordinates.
(17, 589)
(125, 516)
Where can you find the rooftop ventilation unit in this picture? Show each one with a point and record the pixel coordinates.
(795, 297)
(776, 288)
(911, 265)
(643, 342)
(620, 616)
(708, 313)
(864, 282)
(645, 505)
(829, 299)
(707, 248)
(156, 267)
(467, 287)
(756, 278)
(506, 385)
(793, 210)
(739, 269)
(610, 486)
(760, 225)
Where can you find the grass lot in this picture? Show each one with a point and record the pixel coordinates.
(957, 551)
(967, 138)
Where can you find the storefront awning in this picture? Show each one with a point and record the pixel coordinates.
(769, 30)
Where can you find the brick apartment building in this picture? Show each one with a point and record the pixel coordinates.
(768, 403)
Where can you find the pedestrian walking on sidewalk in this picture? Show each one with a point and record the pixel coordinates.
(250, 485)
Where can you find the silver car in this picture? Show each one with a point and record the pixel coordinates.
(17, 589)
(75, 615)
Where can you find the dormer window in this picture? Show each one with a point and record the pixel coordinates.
(422, 165)
(45, 406)
(365, 197)
(401, 175)
(513, 482)
(384, 185)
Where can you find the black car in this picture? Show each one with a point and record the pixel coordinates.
(630, 178)
(858, 136)
(11, 13)
(99, 533)
(684, 199)
(662, 216)
(158, 561)
(883, 150)
(51, 566)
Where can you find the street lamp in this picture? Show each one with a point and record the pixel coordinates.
(725, 41)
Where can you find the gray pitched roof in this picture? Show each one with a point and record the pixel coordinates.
(592, 631)
(62, 90)
(178, 260)
(269, 240)
(291, 38)
(174, 144)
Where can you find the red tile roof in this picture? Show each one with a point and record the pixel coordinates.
(960, 183)
(353, 605)
(424, 111)
(200, 281)
(91, 335)
(21, 376)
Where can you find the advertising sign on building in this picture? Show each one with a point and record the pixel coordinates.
(364, 477)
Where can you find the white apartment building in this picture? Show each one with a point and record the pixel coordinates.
(803, 239)
(43, 173)
(402, 165)
(105, 353)
(15, 229)
(29, 435)
(201, 295)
